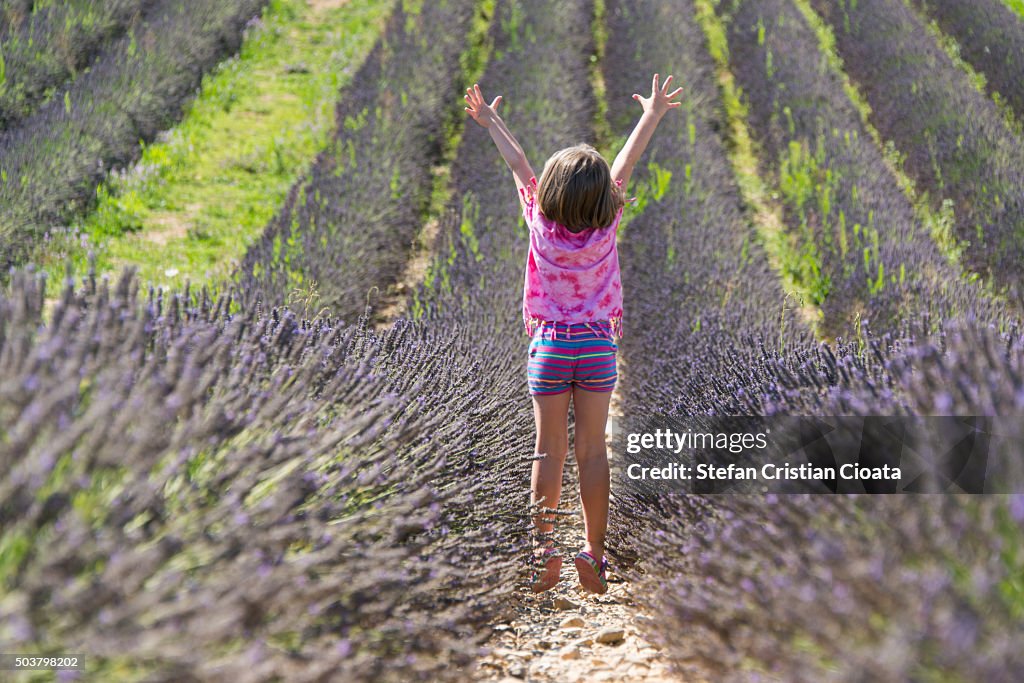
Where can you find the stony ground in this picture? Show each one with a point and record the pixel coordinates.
(567, 634)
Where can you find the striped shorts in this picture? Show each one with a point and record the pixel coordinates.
(562, 355)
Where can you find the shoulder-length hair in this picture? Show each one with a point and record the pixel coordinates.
(576, 189)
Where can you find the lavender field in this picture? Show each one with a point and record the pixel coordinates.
(317, 469)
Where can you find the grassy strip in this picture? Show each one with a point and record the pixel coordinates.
(1017, 6)
(784, 253)
(605, 141)
(473, 62)
(1012, 555)
(196, 199)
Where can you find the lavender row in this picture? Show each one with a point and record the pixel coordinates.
(472, 291)
(179, 477)
(348, 225)
(698, 287)
(395, 528)
(51, 164)
(956, 142)
(706, 574)
(44, 47)
(991, 38)
(840, 588)
(863, 250)
(714, 332)
(715, 583)
(727, 599)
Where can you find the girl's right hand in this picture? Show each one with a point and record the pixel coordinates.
(483, 113)
(660, 100)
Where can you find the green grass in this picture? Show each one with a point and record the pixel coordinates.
(1017, 6)
(1012, 555)
(604, 138)
(201, 194)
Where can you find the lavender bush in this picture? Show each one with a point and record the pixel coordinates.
(991, 39)
(839, 588)
(956, 142)
(44, 45)
(246, 495)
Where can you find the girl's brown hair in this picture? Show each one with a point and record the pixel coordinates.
(576, 189)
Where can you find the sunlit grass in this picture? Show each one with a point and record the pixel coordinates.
(203, 192)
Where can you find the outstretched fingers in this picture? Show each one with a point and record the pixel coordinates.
(477, 106)
(670, 95)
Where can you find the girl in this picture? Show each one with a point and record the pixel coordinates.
(572, 308)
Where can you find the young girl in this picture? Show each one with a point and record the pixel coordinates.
(572, 307)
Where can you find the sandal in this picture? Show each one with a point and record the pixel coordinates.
(552, 569)
(592, 578)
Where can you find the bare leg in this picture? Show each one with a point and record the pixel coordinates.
(551, 414)
(592, 457)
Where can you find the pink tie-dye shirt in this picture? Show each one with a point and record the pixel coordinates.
(570, 277)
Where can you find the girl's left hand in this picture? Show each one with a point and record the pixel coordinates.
(483, 113)
(661, 100)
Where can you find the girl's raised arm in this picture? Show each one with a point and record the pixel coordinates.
(487, 116)
(655, 106)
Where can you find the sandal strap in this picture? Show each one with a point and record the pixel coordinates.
(592, 561)
(548, 555)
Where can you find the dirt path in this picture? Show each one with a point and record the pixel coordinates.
(556, 636)
(560, 635)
